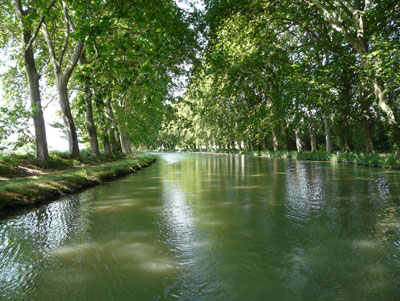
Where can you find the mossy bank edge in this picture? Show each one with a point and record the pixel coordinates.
(34, 190)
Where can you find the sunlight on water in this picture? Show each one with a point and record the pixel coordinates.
(365, 244)
(135, 254)
(228, 227)
(247, 187)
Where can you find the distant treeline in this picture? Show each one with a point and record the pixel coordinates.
(293, 75)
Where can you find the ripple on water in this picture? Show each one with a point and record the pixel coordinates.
(209, 228)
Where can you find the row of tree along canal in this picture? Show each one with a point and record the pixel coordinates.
(303, 75)
(118, 57)
(271, 75)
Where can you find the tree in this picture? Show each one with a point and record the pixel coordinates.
(23, 22)
(359, 23)
(63, 70)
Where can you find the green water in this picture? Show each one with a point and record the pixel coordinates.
(207, 227)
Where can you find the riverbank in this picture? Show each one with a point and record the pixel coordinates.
(30, 190)
(373, 160)
(16, 165)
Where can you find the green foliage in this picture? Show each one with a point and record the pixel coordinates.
(274, 71)
(264, 75)
(14, 115)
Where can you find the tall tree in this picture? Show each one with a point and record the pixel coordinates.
(359, 22)
(24, 21)
(89, 119)
(69, 48)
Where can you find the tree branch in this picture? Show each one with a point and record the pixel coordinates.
(67, 33)
(38, 26)
(67, 18)
(18, 9)
(348, 7)
(367, 5)
(332, 19)
(338, 25)
(15, 36)
(79, 47)
(51, 48)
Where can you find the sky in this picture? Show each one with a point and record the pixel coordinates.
(55, 140)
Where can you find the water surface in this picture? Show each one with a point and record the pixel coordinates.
(212, 227)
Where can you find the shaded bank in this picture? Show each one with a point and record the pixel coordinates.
(33, 190)
(373, 160)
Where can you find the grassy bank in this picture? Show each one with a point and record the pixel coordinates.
(374, 160)
(39, 188)
(15, 165)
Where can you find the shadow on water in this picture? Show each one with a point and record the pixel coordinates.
(208, 226)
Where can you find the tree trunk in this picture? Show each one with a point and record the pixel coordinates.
(113, 142)
(344, 142)
(275, 141)
(117, 140)
(104, 131)
(112, 131)
(125, 139)
(345, 106)
(381, 96)
(67, 117)
(62, 78)
(42, 153)
(251, 144)
(89, 121)
(369, 147)
(28, 36)
(328, 139)
(233, 144)
(383, 104)
(106, 145)
(265, 143)
(366, 121)
(313, 139)
(299, 144)
(390, 116)
(284, 137)
(91, 128)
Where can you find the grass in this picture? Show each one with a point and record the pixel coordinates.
(21, 165)
(375, 160)
(35, 189)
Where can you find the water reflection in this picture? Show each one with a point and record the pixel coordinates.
(26, 240)
(213, 227)
(291, 224)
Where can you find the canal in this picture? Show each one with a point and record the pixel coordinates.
(197, 226)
